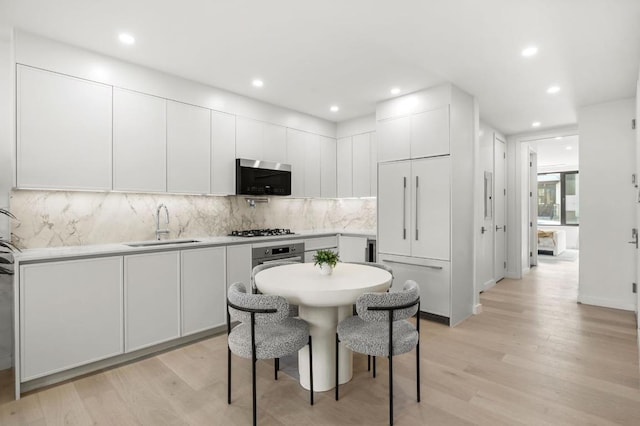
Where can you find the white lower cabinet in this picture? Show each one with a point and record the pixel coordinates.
(432, 276)
(203, 289)
(152, 299)
(312, 245)
(239, 264)
(70, 314)
(352, 249)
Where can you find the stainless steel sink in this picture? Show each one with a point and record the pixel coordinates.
(161, 243)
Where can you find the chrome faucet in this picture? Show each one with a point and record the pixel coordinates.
(158, 230)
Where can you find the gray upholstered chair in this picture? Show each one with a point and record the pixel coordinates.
(265, 332)
(381, 329)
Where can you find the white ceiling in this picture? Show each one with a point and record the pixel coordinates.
(557, 154)
(351, 52)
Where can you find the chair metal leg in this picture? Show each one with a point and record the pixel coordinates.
(276, 367)
(418, 369)
(228, 375)
(368, 362)
(311, 368)
(391, 390)
(253, 380)
(374, 367)
(337, 347)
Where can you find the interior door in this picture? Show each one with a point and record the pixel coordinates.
(500, 204)
(486, 253)
(533, 208)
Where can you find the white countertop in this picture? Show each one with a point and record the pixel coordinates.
(51, 253)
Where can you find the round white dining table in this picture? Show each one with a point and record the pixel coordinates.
(324, 300)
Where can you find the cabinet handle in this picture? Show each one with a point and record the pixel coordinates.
(498, 228)
(404, 208)
(417, 208)
(412, 264)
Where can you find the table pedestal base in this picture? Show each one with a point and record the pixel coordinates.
(322, 323)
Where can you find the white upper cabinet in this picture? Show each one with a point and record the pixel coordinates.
(188, 148)
(223, 153)
(327, 167)
(63, 131)
(257, 140)
(394, 139)
(312, 168)
(430, 133)
(296, 156)
(274, 143)
(139, 142)
(248, 138)
(373, 164)
(345, 167)
(361, 150)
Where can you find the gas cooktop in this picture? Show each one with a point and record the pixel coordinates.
(261, 232)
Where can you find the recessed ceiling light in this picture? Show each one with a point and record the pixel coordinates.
(553, 90)
(395, 90)
(529, 51)
(558, 138)
(126, 38)
(568, 148)
(335, 108)
(257, 83)
(535, 124)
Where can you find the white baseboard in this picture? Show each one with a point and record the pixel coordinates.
(477, 309)
(606, 303)
(486, 286)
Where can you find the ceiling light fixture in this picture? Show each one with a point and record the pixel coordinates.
(395, 91)
(529, 51)
(335, 108)
(568, 148)
(126, 38)
(558, 138)
(257, 83)
(536, 124)
(553, 90)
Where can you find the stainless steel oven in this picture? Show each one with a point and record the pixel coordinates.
(277, 251)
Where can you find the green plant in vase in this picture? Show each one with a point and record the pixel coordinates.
(6, 248)
(326, 260)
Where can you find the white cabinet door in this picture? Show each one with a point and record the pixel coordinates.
(204, 277)
(239, 265)
(223, 153)
(328, 188)
(394, 195)
(248, 138)
(312, 165)
(430, 133)
(63, 131)
(352, 249)
(361, 164)
(70, 314)
(431, 208)
(139, 142)
(296, 154)
(188, 148)
(433, 278)
(274, 143)
(344, 172)
(394, 139)
(373, 167)
(152, 299)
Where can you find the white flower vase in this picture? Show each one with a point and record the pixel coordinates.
(325, 269)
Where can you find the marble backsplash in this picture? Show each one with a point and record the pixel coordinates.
(71, 218)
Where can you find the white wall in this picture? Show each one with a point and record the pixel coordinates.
(6, 181)
(607, 204)
(356, 126)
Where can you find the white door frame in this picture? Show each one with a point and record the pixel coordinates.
(533, 207)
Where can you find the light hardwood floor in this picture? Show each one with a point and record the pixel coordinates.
(534, 356)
